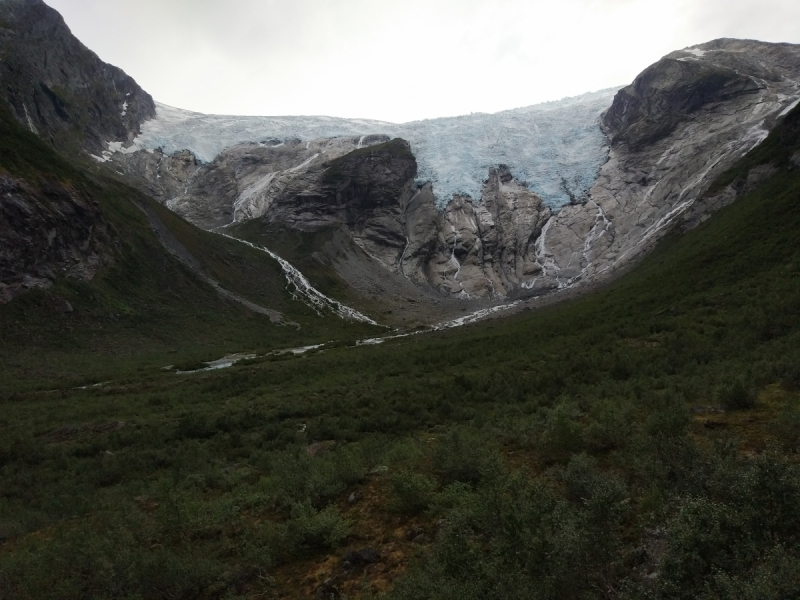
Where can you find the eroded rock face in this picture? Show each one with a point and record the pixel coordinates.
(677, 127)
(471, 249)
(48, 231)
(487, 249)
(61, 90)
(241, 183)
(161, 176)
(682, 123)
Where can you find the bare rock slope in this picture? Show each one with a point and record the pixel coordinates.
(677, 127)
(683, 122)
(49, 230)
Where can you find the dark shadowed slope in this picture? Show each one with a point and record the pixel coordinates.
(82, 267)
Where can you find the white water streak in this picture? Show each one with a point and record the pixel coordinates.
(475, 316)
(305, 292)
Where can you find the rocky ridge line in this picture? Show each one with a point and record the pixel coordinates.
(681, 123)
(59, 89)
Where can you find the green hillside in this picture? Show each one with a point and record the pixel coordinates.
(149, 308)
(639, 442)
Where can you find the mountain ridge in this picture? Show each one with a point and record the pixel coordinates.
(61, 90)
(686, 102)
(680, 124)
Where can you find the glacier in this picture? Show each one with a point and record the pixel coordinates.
(555, 148)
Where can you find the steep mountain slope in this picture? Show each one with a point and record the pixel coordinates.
(90, 265)
(476, 209)
(58, 88)
(65, 227)
(682, 123)
(491, 236)
(51, 225)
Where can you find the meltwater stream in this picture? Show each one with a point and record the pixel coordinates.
(463, 320)
(305, 292)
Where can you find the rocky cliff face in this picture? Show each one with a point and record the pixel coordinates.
(365, 190)
(683, 122)
(48, 230)
(61, 90)
(679, 125)
(482, 249)
(57, 89)
(241, 182)
(487, 249)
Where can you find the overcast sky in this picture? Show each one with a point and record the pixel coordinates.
(401, 60)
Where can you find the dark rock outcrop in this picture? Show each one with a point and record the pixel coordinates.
(241, 183)
(365, 190)
(670, 91)
(48, 231)
(160, 176)
(666, 94)
(61, 90)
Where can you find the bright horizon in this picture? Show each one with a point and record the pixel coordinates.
(400, 62)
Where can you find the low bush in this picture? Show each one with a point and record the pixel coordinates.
(737, 394)
(460, 455)
(412, 492)
(308, 531)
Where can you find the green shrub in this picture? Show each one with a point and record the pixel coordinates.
(195, 426)
(512, 538)
(737, 394)
(668, 418)
(562, 433)
(777, 576)
(788, 373)
(309, 531)
(579, 477)
(452, 496)
(460, 455)
(412, 492)
(610, 425)
(787, 427)
(296, 477)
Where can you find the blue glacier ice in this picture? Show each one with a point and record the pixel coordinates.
(556, 148)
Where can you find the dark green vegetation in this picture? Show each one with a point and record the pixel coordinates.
(578, 451)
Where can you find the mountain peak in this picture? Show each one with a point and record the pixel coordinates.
(61, 90)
